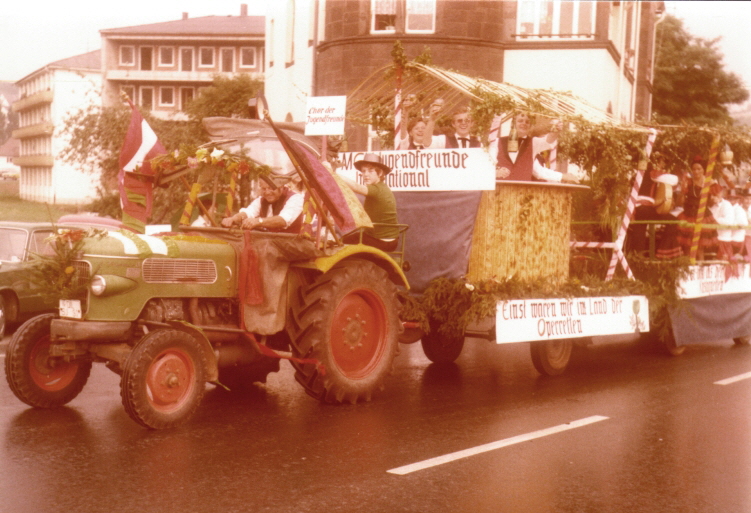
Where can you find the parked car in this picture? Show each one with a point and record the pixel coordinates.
(18, 299)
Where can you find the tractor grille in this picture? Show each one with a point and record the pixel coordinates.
(83, 279)
(178, 270)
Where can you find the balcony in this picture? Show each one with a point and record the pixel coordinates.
(33, 100)
(166, 76)
(34, 161)
(45, 128)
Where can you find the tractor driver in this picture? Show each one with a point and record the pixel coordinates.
(276, 209)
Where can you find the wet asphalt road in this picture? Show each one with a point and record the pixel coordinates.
(630, 431)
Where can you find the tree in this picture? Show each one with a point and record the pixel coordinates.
(690, 82)
(96, 135)
(226, 96)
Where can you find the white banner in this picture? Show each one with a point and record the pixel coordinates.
(461, 169)
(713, 279)
(325, 115)
(531, 320)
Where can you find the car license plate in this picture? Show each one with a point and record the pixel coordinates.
(70, 308)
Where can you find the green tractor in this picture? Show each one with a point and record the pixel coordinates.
(169, 312)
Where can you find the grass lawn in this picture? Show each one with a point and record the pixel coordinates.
(12, 208)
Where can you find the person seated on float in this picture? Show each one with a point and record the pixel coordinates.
(723, 213)
(461, 136)
(654, 203)
(517, 152)
(380, 205)
(746, 204)
(416, 131)
(276, 209)
(741, 222)
(691, 196)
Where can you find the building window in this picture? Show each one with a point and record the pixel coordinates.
(147, 58)
(166, 56)
(248, 57)
(555, 19)
(228, 60)
(147, 97)
(289, 50)
(127, 55)
(166, 96)
(206, 57)
(128, 90)
(383, 16)
(186, 96)
(186, 59)
(420, 16)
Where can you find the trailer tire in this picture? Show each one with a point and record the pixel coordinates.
(440, 348)
(348, 320)
(551, 357)
(36, 378)
(163, 379)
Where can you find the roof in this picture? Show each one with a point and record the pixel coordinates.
(430, 82)
(202, 26)
(89, 60)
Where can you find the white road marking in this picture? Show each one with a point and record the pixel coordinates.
(466, 453)
(739, 377)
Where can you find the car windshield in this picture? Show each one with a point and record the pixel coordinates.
(12, 244)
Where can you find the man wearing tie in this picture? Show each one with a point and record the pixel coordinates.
(461, 138)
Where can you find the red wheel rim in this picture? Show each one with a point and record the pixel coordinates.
(50, 374)
(358, 333)
(170, 380)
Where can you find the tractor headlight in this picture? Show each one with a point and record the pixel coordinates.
(98, 285)
(108, 285)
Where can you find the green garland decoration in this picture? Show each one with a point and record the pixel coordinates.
(55, 274)
(452, 304)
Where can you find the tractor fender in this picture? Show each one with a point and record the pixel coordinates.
(350, 251)
(212, 367)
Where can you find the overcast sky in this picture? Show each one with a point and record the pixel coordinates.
(34, 33)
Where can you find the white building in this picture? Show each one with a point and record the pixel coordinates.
(47, 96)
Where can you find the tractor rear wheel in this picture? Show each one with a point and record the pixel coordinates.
(163, 379)
(348, 320)
(35, 377)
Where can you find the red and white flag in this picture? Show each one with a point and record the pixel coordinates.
(136, 190)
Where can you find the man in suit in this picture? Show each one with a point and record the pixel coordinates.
(518, 153)
(460, 138)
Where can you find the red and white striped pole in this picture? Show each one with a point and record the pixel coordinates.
(398, 107)
(629, 214)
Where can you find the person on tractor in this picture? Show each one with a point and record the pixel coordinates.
(277, 208)
(380, 205)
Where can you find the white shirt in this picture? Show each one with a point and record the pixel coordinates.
(741, 219)
(539, 144)
(291, 210)
(724, 213)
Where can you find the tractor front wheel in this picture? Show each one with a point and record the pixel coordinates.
(347, 320)
(163, 379)
(35, 377)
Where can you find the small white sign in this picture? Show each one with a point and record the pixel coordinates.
(70, 308)
(532, 320)
(325, 115)
(714, 279)
(460, 169)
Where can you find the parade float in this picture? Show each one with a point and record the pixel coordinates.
(546, 263)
